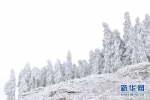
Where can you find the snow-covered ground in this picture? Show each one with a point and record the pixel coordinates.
(97, 87)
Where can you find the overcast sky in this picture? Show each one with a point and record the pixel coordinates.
(34, 31)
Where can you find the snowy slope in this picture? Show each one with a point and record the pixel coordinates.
(97, 87)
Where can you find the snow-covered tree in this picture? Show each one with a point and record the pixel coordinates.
(139, 54)
(68, 70)
(135, 52)
(7, 90)
(97, 63)
(23, 80)
(113, 49)
(128, 37)
(137, 26)
(146, 22)
(75, 73)
(49, 74)
(146, 26)
(118, 50)
(23, 87)
(86, 68)
(73, 70)
(141, 44)
(58, 76)
(63, 69)
(83, 65)
(10, 86)
(35, 78)
(91, 62)
(81, 69)
(43, 77)
(102, 59)
(107, 48)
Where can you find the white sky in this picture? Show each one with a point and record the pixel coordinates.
(34, 31)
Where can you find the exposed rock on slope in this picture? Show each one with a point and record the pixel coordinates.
(97, 87)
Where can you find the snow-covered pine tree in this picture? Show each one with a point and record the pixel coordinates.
(141, 37)
(63, 69)
(139, 45)
(91, 62)
(23, 80)
(35, 78)
(86, 67)
(58, 76)
(7, 90)
(10, 86)
(49, 74)
(137, 26)
(146, 23)
(102, 59)
(107, 48)
(43, 77)
(23, 87)
(82, 68)
(75, 72)
(13, 84)
(68, 70)
(97, 63)
(118, 49)
(128, 37)
(135, 52)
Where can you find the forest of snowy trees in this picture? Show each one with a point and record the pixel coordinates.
(116, 53)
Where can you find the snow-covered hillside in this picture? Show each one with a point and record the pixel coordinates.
(97, 86)
(116, 53)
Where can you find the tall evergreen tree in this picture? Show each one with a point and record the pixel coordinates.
(146, 26)
(23, 80)
(92, 58)
(97, 62)
(128, 37)
(43, 77)
(63, 69)
(35, 80)
(139, 45)
(58, 77)
(86, 67)
(135, 52)
(118, 49)
(81, 68)
(68, 70)
(102, 59)
(83, 71)
(107, 47)
(10, 86)
(73, 71)
(49, 74)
